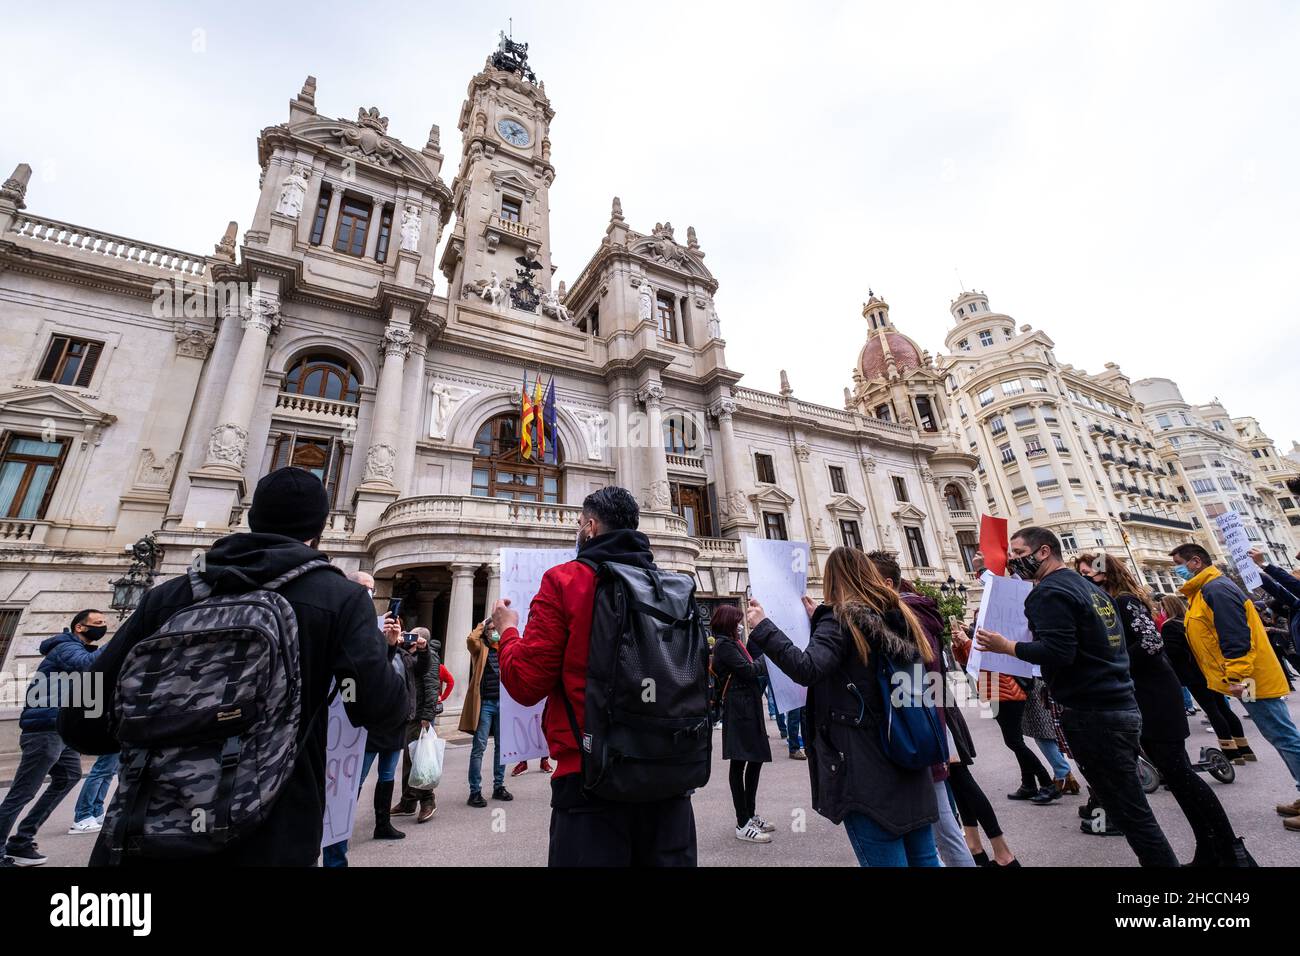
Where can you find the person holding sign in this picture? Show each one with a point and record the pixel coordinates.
(1078, 641)
(858, 632)
(744, 729)
(1228, 640)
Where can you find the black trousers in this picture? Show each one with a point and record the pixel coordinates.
(1226, 724)
(972, 805)
(744, 789)
(410, 795)
(661, 833)
(1009, 715)
(1205, 814)
(1105, 743)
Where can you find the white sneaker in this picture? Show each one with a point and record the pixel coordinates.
(750, 833)
(762, 824)
(88, 825)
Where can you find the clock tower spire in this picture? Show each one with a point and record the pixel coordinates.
(501, 192)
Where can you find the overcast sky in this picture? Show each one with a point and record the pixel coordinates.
(1123, 176)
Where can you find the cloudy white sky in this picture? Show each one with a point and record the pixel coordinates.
(1120, 175)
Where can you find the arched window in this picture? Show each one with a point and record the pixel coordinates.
(323, 376)
(500, 471)
(955, 498)
(680, 435)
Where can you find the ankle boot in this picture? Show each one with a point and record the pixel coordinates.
(384, 829)
(1243, 749)
(1230, 751)
(1071, 785)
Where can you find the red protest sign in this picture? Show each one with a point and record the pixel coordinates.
(993, 543)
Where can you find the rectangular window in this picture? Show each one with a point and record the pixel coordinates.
(1203, 486)
(969, 546)
(837, 480)
(986, 337)
(883, 413)
(996, 425)
(511, 209)
(964, 345)
(29, 470)
(1008, 455)
(764, 468)
(900, 488)
(1037, 385)
(322, 212)
(8, 628)
(774, 526)
(1013, 387)
(70, 361)
(850, 535)
(1227, 484)
(916, 547)
(1068, 541)
(354, 222)
(986, 397)
(385, 230)
(1059, 442)
(692, 503)
(667, 322)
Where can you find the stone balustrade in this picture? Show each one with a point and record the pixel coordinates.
(314, 406)
(108, 245)
(19, 531)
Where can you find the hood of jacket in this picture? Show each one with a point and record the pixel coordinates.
(1191, 588)
(240, 562)
(886, 632)
(63, 637)
(926, 610)
(621, 546)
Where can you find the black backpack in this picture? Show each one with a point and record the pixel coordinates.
(648, 735)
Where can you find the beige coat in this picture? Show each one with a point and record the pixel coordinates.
(478, 652)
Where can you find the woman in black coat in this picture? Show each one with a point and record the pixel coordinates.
(886, 810)
(1164, 719)
(744, 721)
(412, 662)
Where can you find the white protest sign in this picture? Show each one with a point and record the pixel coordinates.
(521, 576)
(1238, 545)
(345, 747)
(1002, 610)
(778, 578)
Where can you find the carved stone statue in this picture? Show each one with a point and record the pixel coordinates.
(551, 307)
(616, 210)
(410, 228)
(493, 291)
(380, 462)
(293, 191)
(595, 428)
(714, 326)
(647, 302)
(660, 496)
(446, 399)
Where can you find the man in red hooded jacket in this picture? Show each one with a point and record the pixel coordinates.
(549, 662)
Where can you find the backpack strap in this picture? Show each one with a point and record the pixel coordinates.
(276, 583)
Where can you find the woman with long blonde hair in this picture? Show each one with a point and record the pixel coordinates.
(1164, 720)
(861, 626)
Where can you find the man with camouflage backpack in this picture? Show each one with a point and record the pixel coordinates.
(217, 688)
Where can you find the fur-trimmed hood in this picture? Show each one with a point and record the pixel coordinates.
(888, 632)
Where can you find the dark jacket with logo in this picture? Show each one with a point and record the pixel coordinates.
(847, 765)
(337, 639)
(65, 656)
(1078, 642)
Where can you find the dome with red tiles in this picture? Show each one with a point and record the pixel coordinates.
(872, 360)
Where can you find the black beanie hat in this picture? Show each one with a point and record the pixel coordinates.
(292, 502)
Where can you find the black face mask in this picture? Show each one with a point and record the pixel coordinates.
(1024, 567)
(92, 634)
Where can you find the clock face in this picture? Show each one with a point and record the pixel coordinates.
(513, 132)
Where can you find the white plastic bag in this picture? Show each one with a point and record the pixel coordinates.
(426, 760)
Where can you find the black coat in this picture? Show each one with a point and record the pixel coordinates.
(847, 765)
(419, 672)
(337, 638)
(1180, 656)
(1156, 686)
(744, 712)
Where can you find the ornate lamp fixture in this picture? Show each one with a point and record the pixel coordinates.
(129, 589)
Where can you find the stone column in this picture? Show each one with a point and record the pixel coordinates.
(658, 497)
(460, 621)
(411, 425)
(813, 525)
(219, 484)
(735, 504)
(493, 583)
(940, 525)
(378, 489)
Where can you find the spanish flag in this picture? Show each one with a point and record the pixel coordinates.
(537, 418)
(527, 412)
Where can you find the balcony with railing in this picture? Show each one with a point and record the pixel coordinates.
(312, 407)
(20, 531)
(1159, 521)
(684, 462)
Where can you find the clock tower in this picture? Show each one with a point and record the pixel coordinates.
(502, 189)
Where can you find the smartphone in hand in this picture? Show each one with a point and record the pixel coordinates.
(395, 608)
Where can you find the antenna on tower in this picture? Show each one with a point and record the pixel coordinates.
(961, 285)
(511, 22)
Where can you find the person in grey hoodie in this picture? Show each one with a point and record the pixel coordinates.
(65, 657)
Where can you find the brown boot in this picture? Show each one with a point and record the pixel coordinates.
(427, 810)
(1243, 749)
(1288, 809)
(1071, 785)
(1230, 751)
(1292, 823)
(403, 808)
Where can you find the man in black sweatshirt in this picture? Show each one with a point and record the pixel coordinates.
(1079, 643)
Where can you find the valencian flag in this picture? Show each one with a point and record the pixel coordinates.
(548, 421)
(527, 412)
(540, 443)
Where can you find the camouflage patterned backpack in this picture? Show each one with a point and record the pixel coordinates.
(208, 710)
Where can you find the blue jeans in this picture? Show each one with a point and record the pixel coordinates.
(1188, 703)
(489, 722)
(793, 736)
(771, 707)
(336, 854)
(1273, 720)
(90, 802)
(875, 846)
(1052, 751)
(948, 838)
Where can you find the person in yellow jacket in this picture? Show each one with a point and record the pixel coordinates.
(1228, 640)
